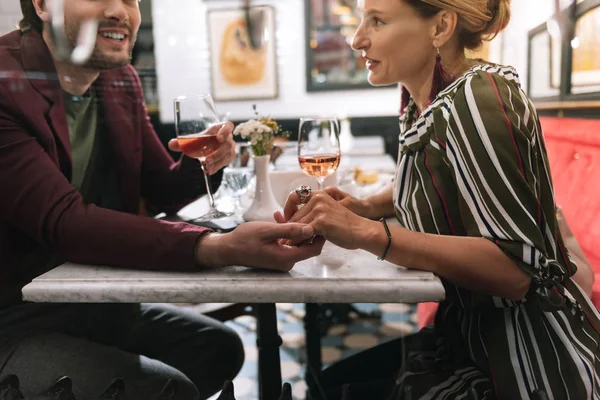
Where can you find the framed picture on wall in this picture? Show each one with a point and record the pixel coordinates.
(585, 59)
(331, 64)
(240, 71)
(544, 64)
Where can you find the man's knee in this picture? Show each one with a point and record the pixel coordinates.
(221, 363)
(232, 350)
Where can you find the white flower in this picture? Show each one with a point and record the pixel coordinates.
(252, 129)
(256, 135)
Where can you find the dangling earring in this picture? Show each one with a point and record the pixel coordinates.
(440, 77)
(404, 99)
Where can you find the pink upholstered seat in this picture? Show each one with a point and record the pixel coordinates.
(574, 153)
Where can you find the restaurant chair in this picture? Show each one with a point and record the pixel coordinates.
(115, 391)
(228, 392)
(62, 389)
(169, 391)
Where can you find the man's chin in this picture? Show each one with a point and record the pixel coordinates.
(105, 63)
(102, 65)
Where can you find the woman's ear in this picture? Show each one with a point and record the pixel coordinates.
(445, 26)
(41, 8)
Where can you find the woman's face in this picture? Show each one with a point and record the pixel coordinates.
(395, 41)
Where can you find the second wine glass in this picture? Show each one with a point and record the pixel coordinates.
(196, 124)
(319, 147)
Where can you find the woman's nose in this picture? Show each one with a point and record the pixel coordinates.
(360, 40)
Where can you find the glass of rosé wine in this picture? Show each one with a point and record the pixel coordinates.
(196, 124)
(319, 147)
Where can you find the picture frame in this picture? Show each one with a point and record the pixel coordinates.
(585, 59)
(331, 63)
(544, 57)
(555, 61)
(239, 72)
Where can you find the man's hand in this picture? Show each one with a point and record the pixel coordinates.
(258, 244)
(223, 155)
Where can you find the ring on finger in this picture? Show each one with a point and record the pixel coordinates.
(303, 192)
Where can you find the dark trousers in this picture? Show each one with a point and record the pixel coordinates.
(148, 346)
(369, 374)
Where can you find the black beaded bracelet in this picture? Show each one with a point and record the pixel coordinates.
(389, 235)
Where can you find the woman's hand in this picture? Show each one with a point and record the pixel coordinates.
(329, 218)
(359, 207)
(224, 155)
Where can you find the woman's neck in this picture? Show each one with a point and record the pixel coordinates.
(420, 85)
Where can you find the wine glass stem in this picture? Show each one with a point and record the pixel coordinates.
(320, 183)
(211, 199)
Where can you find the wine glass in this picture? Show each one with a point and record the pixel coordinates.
(196, 124)
(319, 147)
(238, 174)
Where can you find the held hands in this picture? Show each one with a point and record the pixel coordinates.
(223, 155)
(258, 244)
(328, 214)
(359, 207)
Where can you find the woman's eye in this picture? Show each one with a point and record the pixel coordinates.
(377, 22)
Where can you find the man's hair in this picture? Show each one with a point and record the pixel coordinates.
(30, 18)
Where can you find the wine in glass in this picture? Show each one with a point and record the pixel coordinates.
(197, 124)
(319, 147)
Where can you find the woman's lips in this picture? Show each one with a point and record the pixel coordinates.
(372, 64)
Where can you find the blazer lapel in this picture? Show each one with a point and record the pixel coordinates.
(39, 65)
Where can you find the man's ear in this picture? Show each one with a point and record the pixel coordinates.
(41, 8)
(445, 26)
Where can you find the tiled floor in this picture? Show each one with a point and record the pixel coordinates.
(341, 341)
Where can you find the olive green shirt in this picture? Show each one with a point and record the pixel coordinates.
(474, 163)
(82, 118)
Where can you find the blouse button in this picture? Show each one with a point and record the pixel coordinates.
(576, 156)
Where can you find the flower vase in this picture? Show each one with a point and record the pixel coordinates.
(346, 137)
(264, 203)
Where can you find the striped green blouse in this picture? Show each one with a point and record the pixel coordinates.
(474, 164)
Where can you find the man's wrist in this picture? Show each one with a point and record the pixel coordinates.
(210, 251)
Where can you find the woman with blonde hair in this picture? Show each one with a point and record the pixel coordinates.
(474, 199)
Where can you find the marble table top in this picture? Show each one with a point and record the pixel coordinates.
(336, 276)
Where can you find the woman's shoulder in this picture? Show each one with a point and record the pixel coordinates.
(478, 91)
(486, 85)
(484, 79)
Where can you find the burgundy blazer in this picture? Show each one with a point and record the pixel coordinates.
(38, 204)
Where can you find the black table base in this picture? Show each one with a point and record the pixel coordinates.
(268, 342)
(317, 320)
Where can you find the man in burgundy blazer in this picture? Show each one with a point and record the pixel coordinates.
(40, 210)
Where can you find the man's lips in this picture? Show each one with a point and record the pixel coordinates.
(121, 31)
(117, 33)
(116, 36)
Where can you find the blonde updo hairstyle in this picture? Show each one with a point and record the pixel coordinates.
(478, 20)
